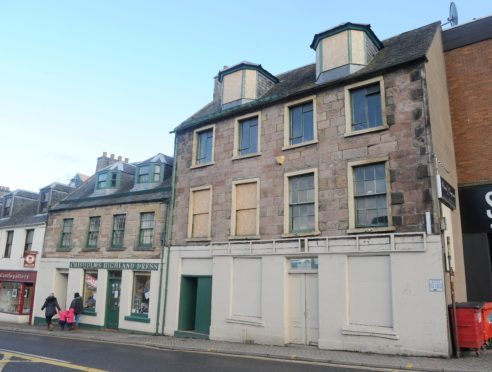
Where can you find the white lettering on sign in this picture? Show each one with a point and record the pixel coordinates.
(436, 285)
(488, 199)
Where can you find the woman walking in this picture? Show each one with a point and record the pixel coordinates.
(51, 306)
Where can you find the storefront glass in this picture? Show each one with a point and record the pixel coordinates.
(90, 291)
(141, 294)
(10, 296)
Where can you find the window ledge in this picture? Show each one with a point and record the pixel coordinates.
(360, 230)
(372, 331)
(245, 237)
(301, 234)
(89, 313)
(256, 322)
(137, 318)
(202, 165)
(116, 248)
(307, 143)
(191, 240)
(63, 249)
(90, 249)
(144, 248)
(239, 157)
(364, 131)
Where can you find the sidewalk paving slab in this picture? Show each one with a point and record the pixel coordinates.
(468, 363)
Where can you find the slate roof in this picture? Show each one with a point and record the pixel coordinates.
(467, 33)
(27, 215)
(159, 158)
(82, 196)
(408, 47)
(59, 187)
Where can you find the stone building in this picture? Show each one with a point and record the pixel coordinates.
(23, 216)
(308, 205)
(105, 241)
(468, 55)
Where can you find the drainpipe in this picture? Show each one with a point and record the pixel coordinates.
(164, 232)
(170, 229)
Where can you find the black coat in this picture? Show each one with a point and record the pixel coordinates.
(50, 304)
(77, 305)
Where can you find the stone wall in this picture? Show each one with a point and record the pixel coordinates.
(404, 142)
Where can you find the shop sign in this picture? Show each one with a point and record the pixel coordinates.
(476, 209)
(30, 258)
(114, 265)
(446, 193)
(18, 276)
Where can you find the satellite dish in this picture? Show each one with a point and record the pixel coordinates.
(453, 15)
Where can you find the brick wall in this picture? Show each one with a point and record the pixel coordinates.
(81, 225)
(469, 73)
(404, 142)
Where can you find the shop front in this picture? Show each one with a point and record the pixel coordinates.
(17, 295)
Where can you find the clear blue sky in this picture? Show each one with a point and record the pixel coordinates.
(81, 77)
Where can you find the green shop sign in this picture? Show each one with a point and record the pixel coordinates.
(114, 265)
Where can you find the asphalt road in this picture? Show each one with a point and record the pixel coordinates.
(23, 352)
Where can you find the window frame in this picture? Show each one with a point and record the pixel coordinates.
(237, 124)
(63, 233)
(141, 230)
(89, 232)
(9, 242)
(234, 209)
(196, 134)
(348, 106)
(315, 231)
(113, 230)
(190, 214)
(134, 277)
(351, 196)
(7, 209)
(109, 179)
(90, 311)
(44, 199)
(29, 232)
(287, 122)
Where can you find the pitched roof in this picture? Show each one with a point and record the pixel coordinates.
(407, 47)
(159, 158)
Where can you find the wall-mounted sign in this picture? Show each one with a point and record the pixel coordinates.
(115, 265)
(18, 276)
(436, 285)
(445, 192)
(476, 209)
(30, 258)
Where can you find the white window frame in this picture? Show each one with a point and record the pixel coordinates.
(316, 231)
(233, 209)
(190, 214)
(196, 132)
(351, 195)
(348, 107)
(287, 108)
(237, 122)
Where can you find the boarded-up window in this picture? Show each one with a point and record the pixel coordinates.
(200, 218)
(370, 291)
(247, 287)
(246, 207)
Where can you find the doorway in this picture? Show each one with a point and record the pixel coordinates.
(195, 304)
(303, 291)
(113, 299)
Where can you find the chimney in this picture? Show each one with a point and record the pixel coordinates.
(4, 190)
(103, 161)
(126, 160)
(343, 50)
(119, 157)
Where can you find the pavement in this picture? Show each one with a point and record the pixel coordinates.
(468, 362)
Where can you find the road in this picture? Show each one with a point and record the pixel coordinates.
(25, 352)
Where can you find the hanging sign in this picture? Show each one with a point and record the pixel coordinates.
(30, 258)
(445, 192)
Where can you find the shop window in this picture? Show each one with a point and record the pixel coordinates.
(10, 297)
(8, 244)
(90, 291)
(66, 236)
(93, 234)
(141, 294)
(29, 237)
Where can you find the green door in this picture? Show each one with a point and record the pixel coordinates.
(203, 305)
(195, 304)
(113, 299)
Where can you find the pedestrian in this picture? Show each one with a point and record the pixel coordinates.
(62, 321)
(70, 319)
(51, 306)
(77, 307)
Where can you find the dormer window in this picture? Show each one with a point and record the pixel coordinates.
(149, 173)
(107, 180)
(157, 173)
(7, 208)
(143, 174)
(44, 201)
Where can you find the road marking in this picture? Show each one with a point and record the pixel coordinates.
(9, 354)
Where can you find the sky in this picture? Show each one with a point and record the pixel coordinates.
(79, 78)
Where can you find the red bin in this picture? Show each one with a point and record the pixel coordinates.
(487, 319)
(471, 328)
